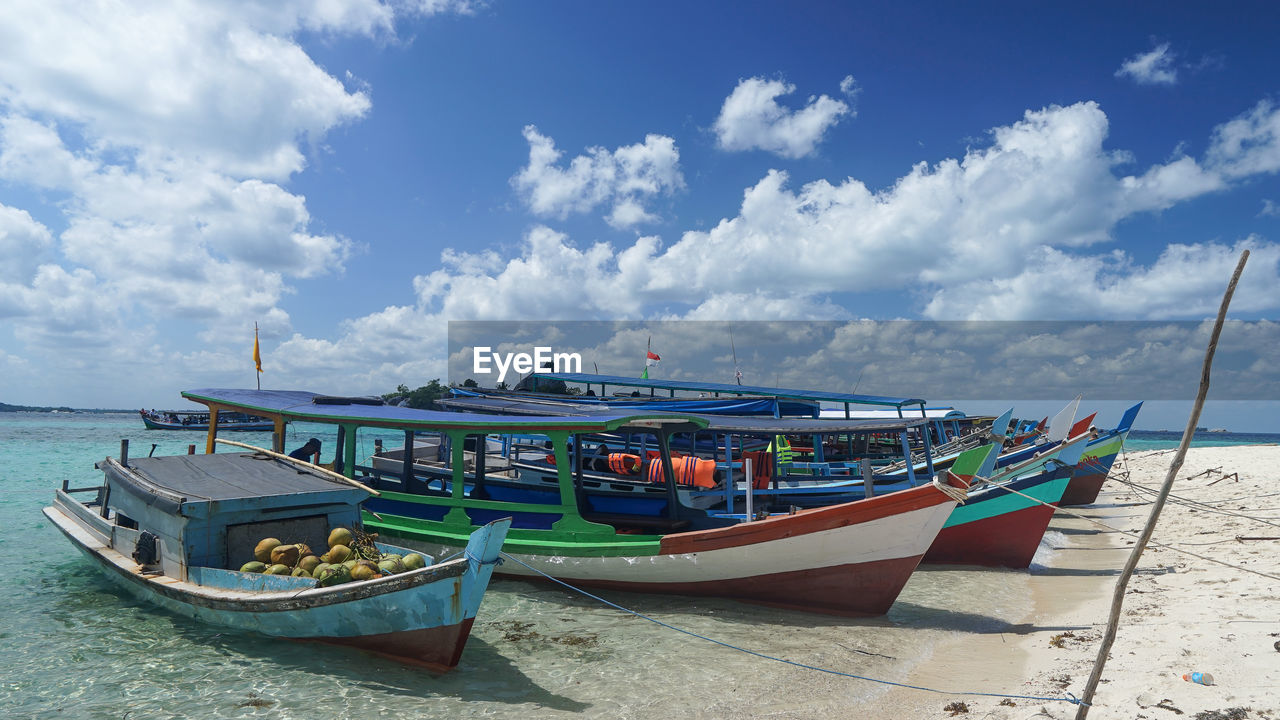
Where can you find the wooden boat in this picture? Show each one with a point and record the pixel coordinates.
(1004, 518)
(1096, 462)
(191, 420)
(999, 525)
(847, 559)
(172, 531)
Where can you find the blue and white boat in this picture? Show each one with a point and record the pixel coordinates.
(172, 531)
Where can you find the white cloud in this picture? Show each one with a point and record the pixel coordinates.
(850, 87)
(1151, 68)
(752, 119)
(1186, 281)
(1269, 209)
(190, 83)
(1248, 144)
(23, 244)
(623, 178)
(1003, 232)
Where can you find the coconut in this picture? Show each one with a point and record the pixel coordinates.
(414, 561)
(334, 575)
(278, 569)
(285, 555)
(315, 572)
(338, 554)
(309, 563)
(300, 572)
(253, 566)
(391, 565)
(363, 572)
(340, 536)
(349, 564)
(262, 553)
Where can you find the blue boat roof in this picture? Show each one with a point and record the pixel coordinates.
(304, 406)
(743, 424)
(698, 386)
(736, 405)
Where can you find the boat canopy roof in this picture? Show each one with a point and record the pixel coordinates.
(303, 406)
(239, 476)
(931, 413)
(747, 425)
(739, 405)
(710, 387)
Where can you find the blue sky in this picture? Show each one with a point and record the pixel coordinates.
(352, 175)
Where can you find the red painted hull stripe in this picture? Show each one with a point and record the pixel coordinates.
(803, 522)
(1008, 540)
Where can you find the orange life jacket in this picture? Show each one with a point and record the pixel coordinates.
(624, 464)
(690, 471)
(761, 468)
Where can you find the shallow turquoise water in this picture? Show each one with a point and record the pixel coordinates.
(74, 648)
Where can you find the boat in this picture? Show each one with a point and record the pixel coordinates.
(1006, 514)
(851, 558)
(1095, 464)
(174, 531)
(193, 420)
(1000, 524)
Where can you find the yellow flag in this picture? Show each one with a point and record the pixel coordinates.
(257, 357)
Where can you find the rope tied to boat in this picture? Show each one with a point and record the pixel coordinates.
(478, 561)
(959, 494)
(804, 666)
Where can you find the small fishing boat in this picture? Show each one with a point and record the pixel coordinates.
(1094, 466)
(174, 531)
(848, 559)
(196, 420)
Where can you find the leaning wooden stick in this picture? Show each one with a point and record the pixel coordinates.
(301, 463)
(1118, 598)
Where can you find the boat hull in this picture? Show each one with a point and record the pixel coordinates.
(995, 528)
(243, 427)
(423, 617)
(1092, 471)
(849, 559)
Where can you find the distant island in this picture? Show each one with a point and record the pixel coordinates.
(6, 407)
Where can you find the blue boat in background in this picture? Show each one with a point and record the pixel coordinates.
(173, 531)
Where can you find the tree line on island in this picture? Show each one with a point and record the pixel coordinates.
(424, 398)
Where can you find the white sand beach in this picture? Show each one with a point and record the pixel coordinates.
(1181, 614)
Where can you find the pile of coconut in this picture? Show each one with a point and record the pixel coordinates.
(350, 557)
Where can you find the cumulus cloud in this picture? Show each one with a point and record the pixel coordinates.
(160, 136)
(1187, 280)
(752, 119)
(623, 178)
(1021, 216)
(24, 243)
(1248, 144)
(1151, 68)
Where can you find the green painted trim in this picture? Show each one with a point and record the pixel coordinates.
(1047, 492)
(349, 452)
(1111, 447)
(521, 540)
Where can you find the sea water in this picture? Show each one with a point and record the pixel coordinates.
(73, 647)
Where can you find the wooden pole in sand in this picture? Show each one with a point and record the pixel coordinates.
(1118, 598)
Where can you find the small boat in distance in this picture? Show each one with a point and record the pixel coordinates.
(199, 420)
(181, 531)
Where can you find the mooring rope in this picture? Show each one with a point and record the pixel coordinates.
(1134, 535)
(1069, 699)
